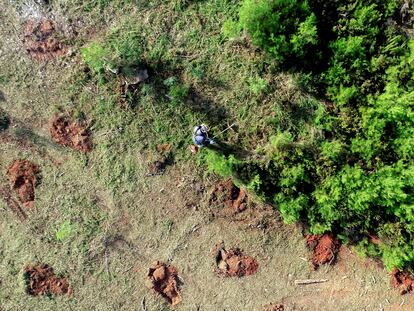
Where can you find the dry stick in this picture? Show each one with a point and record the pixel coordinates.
(310, 281)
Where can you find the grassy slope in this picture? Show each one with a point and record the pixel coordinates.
(105, 195)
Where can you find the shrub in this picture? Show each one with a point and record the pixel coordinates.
(119, 49)
(95, 56)
(280, 27)
(358, 178)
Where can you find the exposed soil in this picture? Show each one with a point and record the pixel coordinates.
(163, 280)
(24, 177)
(403, 280)
(165, 158)
(274, 307)
(325, 249)
(71, 134)
(233, 263)
(229, 195)
(41, 280)
(12, 204)
(41, 40)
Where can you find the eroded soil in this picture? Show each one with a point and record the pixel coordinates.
(402, 280)
(41, 280)
(70, 134)
(274, 307)
(227, 194)
(163, 280)
(24, 177)
(233, 263)
(325, 249)
(41, 39)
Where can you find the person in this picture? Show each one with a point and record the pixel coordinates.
(200, 136)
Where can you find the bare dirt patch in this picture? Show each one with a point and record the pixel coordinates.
(165, 158)
(41, 280)
(274, 307)
(325, 249)
(227, 194)
(402, 280)
(163, 280)
(41, 39)
(24, 177)
(70, 134)
(233, 263)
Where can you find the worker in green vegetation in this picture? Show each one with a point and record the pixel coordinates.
(200, 136)
(201, 139)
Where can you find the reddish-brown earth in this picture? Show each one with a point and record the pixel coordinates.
(41, 280)
(402, 280)
(41, 40)
(325, 248)
(229, 195)
(71, 134)
(274, 307)
(233, 262)
(163, 280)
(24, 177)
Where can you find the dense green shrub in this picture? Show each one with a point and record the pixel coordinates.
(279, 26)
(357, 179)
(120, 49)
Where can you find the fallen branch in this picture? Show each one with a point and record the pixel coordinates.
(310, 281)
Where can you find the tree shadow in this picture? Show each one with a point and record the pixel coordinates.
(214, 113)
(2, 96)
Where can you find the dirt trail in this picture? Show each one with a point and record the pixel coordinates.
(325, 249)
(233, 262)
(41, 40)
(163, 280)
(24, 177)
(70, 134)
(41, 280)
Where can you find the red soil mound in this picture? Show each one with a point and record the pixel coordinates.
(163, 280)
(41, 40)
(23, 176)
(229, 195)
(325, 248)
(402, 280)
(274, 307)
(42, 281)
(233, 262)
(71, 134)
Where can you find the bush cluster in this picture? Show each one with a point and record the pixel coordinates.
(358, 179)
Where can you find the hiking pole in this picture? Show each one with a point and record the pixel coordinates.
(224, 130)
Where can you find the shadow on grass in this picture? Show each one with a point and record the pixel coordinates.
(2, 97)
